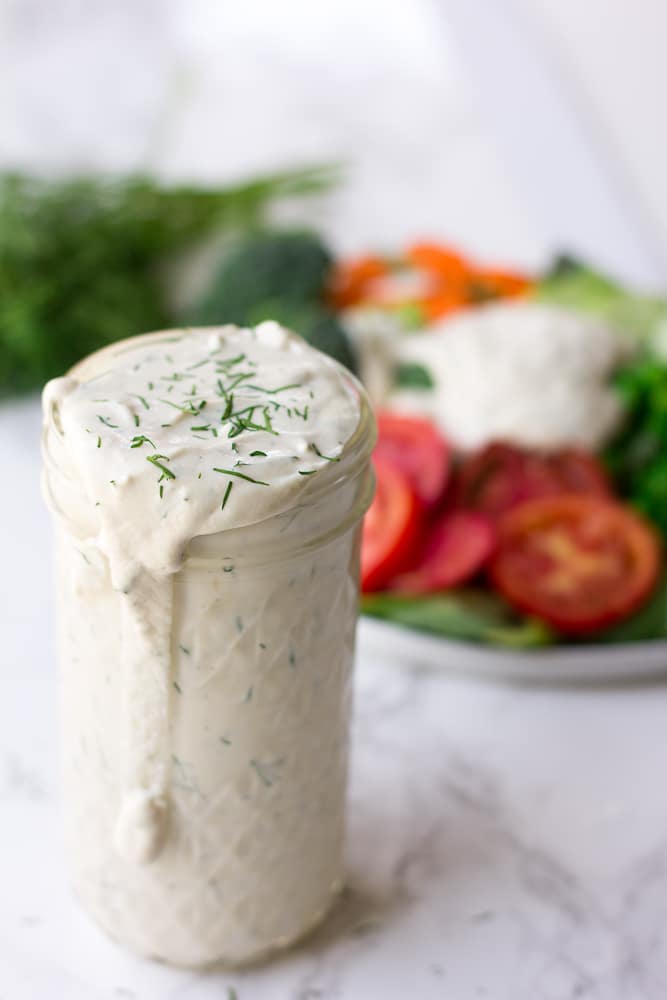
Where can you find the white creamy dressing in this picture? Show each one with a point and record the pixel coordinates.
(151, 448)
(534, 374)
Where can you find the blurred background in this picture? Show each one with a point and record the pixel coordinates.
(513, 129)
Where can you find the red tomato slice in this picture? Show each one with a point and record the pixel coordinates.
(580, 472)
(578, 562)
(501, 476)
(391, 528)
(457, 547)
(415, 446)
(488, 481)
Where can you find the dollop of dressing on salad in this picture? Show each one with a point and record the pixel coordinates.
(170, 436)
(533, 374)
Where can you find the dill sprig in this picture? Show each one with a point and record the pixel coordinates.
(241, 475)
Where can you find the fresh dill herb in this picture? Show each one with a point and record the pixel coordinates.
(228, 569)
(273, 392)
(177, 687)
(161, 492)
(106, 422)
(327, 458)
(198, 364)
(189, 407)
(309, 472)
(230, 362)
(151, 386)
(258, 454)
(201, 427)
(99, 441)
(135, 417)
(226, 496)
(113, 482)
(227, 742)
(184, 649)
(139, 439)
(235, 447)
(262, 645)
(141, 399)
(229, 407)
(248, 694)
(241, 475)
(292, 658)
(239, 624)
(156, 461)
(263, 777)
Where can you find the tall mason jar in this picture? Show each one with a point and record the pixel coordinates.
(205, 762)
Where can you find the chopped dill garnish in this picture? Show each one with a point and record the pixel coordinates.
(241, 475)
(177, 687)
(272, 392)
(99, 441)
(239, 623)
(189, 407)
(258, 454)
(140, 439)
(229, 407)
(248, 694)
(257, 767)
(226, 496)
(141, 399)
(310, 472)
(135, 417)
(201, 427)
(327, 458)
(106, 422)
(227, 742)
(156, 461)
(184, 649)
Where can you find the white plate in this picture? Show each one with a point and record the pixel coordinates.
(630, 661)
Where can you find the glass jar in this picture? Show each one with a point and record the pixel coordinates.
(248, 735)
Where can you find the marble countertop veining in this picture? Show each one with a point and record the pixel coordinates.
(505, 843)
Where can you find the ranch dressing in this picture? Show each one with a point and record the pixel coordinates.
(208, 486)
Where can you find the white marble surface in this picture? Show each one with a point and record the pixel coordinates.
(504, 843)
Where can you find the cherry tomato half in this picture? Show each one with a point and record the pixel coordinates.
(578, 562)
(501, 476)
(391, 527)
(415, 446)
(458, 546)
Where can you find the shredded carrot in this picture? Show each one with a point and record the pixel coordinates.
(429, 277)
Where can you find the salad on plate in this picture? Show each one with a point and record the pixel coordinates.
(521, 461)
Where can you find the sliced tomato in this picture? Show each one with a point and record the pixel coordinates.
(458, 546)
(501, 476)
(580, 472)
(488, 481)
(579, 562)
(416, 447)
(391, 527)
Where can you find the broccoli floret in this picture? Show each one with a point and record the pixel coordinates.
(280, 276)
